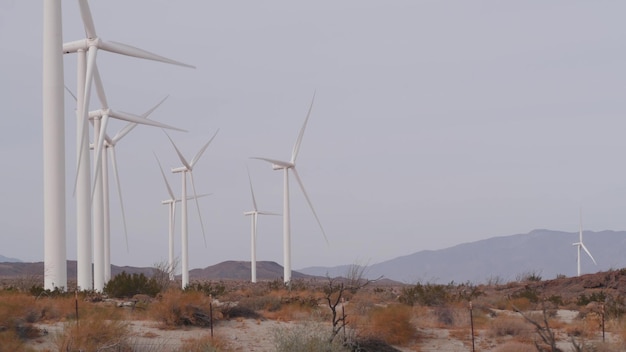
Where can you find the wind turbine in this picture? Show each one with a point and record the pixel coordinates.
(286, 166)
(171, 203)
(254, 219)
(188, 168)
(101, 118)
(109, 145)
(581, 245)
(86, 50)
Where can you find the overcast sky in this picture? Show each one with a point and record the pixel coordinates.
(435, 122)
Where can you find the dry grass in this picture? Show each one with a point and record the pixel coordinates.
(506, 325)
(391, 324)
(206, 344)
(177, 308)
(94, 334)
(515, 346)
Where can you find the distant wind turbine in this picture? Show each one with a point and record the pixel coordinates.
(254, 217)
(286, 166)
(171, 202)
(581, 245)
(188, 168)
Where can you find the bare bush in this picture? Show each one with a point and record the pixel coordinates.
(308, 337)
(505, 325)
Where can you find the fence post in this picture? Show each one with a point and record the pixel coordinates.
(472, 323)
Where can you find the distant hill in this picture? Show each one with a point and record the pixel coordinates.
(544, 252)
(228, 270)
(240, 270)
(4, 259)
(13, 269)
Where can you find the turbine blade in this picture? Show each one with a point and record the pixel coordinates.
(131, 125)
(251, 190)
(119, 193)
(296, 147)
(195, 194)
(91, 60)
(588, 253)
(580, 232)
(267, 213)
(167, 184)
(100, 87)
(85, 14)
(98, 152)
(72, 94)
(128, 50)
(141, 120)
(180, 155)
(295, 173)
(201, 151)
(280, 163)
(198, 196)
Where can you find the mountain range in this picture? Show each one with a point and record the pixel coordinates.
(4, 259)
(545, 253)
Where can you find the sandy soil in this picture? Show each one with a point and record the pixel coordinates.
(257, 336)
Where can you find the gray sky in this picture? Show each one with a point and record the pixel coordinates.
(435, 122)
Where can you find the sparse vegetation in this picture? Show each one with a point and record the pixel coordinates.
(335, 314)
(126, 285)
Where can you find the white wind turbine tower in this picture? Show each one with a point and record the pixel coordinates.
(254, 220)
(101, 118)
(285, 166)
(580, 245)
(171, 203)
(55, 259)
(86, 50)
(188, 168)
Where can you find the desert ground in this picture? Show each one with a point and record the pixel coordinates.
(529, 314)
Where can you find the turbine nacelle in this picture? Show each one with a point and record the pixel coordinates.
(80, 44)
(282, 167)
(180, 169)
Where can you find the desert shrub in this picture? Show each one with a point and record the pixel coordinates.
(239, 311)
(529, 292)
(205, 344)
(94, 335)
(514, 346)
(269, 302)
(306, 338)
(534, 276)
(177, 308)
(9, 341)
(391, 324)
(495, 280)
(505, 325)
(583, 299)
(445, 315)
(556, 300)
(615, 308)
(207, 288)
(126, 285)
(426, 295)
(371, 344)
(39, 291)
